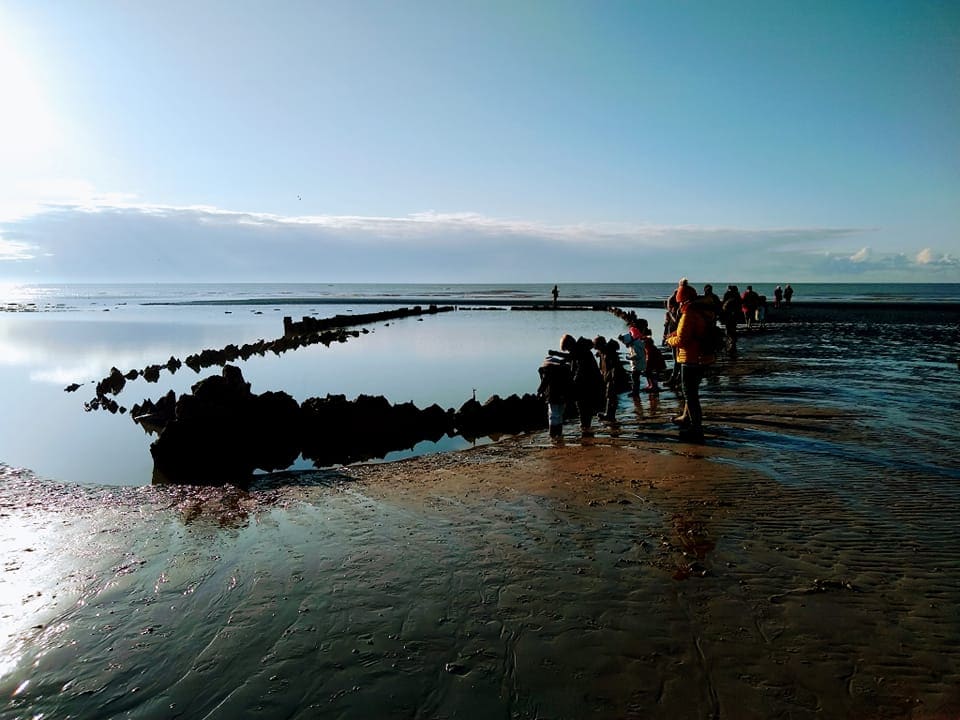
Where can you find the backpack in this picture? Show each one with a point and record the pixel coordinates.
(656, 363)
(731, 309)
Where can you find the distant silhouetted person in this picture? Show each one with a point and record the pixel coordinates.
(777, 296)
(787, 293)
(731, 314)
(750, 300)
(556, 294)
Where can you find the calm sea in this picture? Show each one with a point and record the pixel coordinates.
(81, 296)
(80, 332)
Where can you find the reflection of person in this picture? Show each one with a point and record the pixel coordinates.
(695, 319)
(556, 294)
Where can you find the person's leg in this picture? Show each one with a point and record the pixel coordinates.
(691, 375)
(612, 400)
(684, 417)
(556, 419)
(652, 383)
(585, 409)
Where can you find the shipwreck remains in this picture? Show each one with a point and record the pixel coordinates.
(296, 334)
(221, 432)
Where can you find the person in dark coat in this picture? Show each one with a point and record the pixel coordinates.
(730, 314)
(587, 380)
(556, 388)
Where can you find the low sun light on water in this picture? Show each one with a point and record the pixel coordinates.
(27, 551)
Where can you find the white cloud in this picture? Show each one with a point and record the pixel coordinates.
(11, 250)
(99, 238)
(23, 198)
(65, 197)
(930, 258)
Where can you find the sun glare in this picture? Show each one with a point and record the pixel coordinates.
(27, 125)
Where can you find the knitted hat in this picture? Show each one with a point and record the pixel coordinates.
(686, 293)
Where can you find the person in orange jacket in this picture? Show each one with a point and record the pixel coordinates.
(695, 319)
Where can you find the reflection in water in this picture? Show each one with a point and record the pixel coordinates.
(440, 360)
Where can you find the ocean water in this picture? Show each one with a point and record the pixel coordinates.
(66, 296)
(78, 333)
(303, 597)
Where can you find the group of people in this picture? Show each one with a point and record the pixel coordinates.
(589, 374)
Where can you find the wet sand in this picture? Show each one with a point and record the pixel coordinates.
(602, 578)
(801, 564)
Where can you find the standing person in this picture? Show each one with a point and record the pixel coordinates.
(556, 389)
(777, 296)
(788, 293)
(670, 321)
(556, 293)
(749, 301)
(608, 352)
(695, 319)
(730, 314)
(711, 299)
(654, 361)
(586, 378)
(633, 341)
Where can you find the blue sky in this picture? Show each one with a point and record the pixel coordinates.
(480, 141)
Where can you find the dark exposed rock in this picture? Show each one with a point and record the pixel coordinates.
(154, 416)
(112, 384)
(296, 335)
(468, 420)
(72, 387)
(309, 324)
(221, 432)
(275, 424)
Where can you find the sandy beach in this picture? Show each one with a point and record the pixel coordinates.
(801, 563)
(602, 578)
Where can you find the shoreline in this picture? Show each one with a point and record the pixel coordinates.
(799, 564)
(545, 304)
(636, 580)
